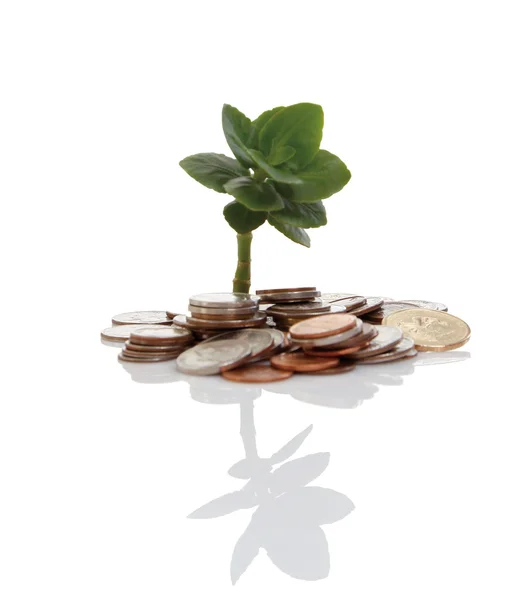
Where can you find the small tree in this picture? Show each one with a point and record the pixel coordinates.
(279, 175)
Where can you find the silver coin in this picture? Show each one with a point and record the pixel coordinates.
(249, 310)
(145, 317)
(387, 308)
(427, 304)
(334, 296)
(211, 358)
(404, 348)
(224, 300)
(297, 317)
(295, 290)
(160, 335)
(387, 338)
(289, 297)
(333, 339)
(258, 339)
(194, 323)
(350, 303)
(316, 306)
(372, 303)
(121, 333)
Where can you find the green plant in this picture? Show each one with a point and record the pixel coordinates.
(279, 175)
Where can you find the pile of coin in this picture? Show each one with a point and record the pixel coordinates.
(211, 314)
(156, 343)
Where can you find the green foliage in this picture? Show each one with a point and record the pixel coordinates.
(279, 173)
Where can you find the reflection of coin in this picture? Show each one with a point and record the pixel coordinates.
(121, 333)
(323, 326)
(155, 317)
(387, 338)
(296, 361)
(213, 357)
(431, 329)
(259, 339)
(404, 349)
(160, 335)
(427, 304)
(386, 309)
(256, 374)
(224, 300)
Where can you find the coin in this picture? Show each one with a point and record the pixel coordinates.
(298, 308)
(292, 318)
(202, 310)
(257, 319)
(297, 361)
(256, 374)
(144, 317)
(372, 303)
(145, 359)
(401, 350)
(259, 339)
(121, 333)
(213, 357)
(154, 348)
(224, 300)
(386, 339)
(162, 335)
(343, 367)
(275, 291)
(368, 333)
(350, 303)
(331, 340)
(170, 314)
(326, 353)
(433, 330)
(223, 316)
(334, 296)
(387, 308)
(322, 326)
(146, 355)
(427, 304)
(290, 297)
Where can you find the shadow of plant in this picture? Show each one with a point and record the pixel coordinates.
(288, 513)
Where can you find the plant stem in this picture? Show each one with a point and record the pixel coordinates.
(241, 283)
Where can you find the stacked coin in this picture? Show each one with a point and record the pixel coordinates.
(156, 344)
(288, 295)
(215, 313)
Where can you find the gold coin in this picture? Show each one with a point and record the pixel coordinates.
(432, 330)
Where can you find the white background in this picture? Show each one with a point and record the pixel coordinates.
(99, 102)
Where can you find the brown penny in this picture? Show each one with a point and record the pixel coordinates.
(343, 367)
(144, 317)
(302, 363)
(132, 353)
(323, 326)
(160, 336)
(256, 374)
(170, 314)
(145, 359)
(149, 348)
(401, 350)
(254, 321)
(222, 317)
(285, 291)
(369, 332)
(333, 340)
(372, 303)
(328, 353)
(387, 308)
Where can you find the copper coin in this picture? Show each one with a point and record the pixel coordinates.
(386, 309)
(323, 326)
(350, 303)
(224, 300)
(144, 359)
(333, 340)
(121, 333)
(291, 319)
(327, 353)
(334, 296)
(146, 355)
(296, 297)
(257, 319)
(143, 317)
(368, 333)
(171, 315)
(403, 348)
(145, 348)
(427, 304)
(302, 363)
(343, 367)
(160, 336)
(222, 317)
(372, 303)
(298, 308)
(285, 291)
(387, 338)
(256, 374)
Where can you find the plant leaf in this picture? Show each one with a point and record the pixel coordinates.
(255, 195)
(298, 472)
(242, 219)
(212, 170)
(289, 449)
(295, 234)
(246, 549)
(302, 215)
(325, 175)
(258, 124)
(274, 172)
(237, 128)
(281, 155)
(299, 126)
(224, 505)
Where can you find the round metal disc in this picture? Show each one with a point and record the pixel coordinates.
(144, 317)
(224, 300)
(213, 357)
